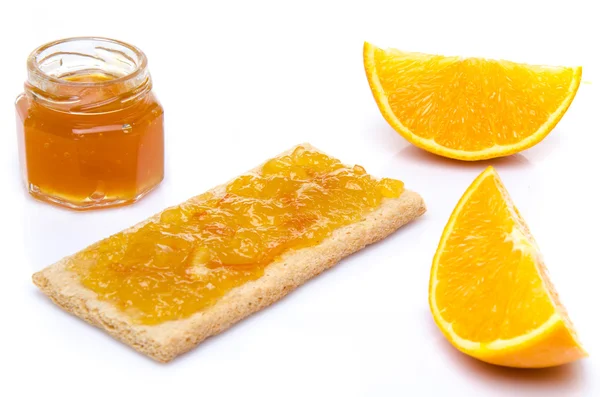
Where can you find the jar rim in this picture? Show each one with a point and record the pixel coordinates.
(33, 63)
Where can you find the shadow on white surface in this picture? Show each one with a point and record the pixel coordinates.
(567, 376)
(385, 139)
(415, 154)
(566, 379)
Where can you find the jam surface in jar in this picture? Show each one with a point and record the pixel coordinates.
(194, 253)
(90, 133)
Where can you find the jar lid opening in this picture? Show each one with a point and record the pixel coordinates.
(116, 60)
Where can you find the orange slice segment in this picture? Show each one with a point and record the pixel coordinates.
(468, 108)
(489, 291)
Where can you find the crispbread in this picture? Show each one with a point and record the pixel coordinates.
(167, 340)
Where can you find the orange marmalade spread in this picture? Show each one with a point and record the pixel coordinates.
(194, 253)
(90, 128)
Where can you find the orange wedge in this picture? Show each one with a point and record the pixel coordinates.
(489, 291)
(468, 108)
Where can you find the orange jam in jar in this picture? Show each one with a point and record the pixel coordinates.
(188, 256)
(90, 128)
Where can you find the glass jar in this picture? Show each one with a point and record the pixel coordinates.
(90, 129)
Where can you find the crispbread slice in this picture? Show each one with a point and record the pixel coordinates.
(167, 340)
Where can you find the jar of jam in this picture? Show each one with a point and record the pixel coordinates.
(90, 129)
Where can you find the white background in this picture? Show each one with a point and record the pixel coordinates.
(242, 81)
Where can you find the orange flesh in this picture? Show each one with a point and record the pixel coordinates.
(483, 254)
(114, 154)
(470, 104)
(198, 251)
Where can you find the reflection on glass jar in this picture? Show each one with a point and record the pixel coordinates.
(90, 128)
